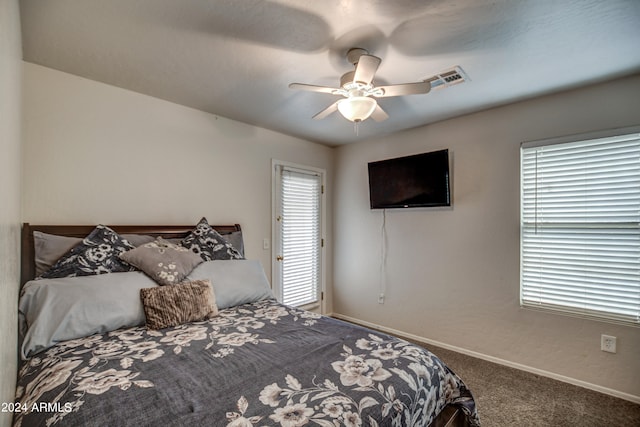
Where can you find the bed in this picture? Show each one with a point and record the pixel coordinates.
(89, 357)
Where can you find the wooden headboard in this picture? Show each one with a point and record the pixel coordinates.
(27, 269)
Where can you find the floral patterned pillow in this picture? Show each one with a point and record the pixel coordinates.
(98, 253)
(209, 244)
(174, 305)
(164, 262)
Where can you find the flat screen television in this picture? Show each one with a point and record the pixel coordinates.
(421, 180)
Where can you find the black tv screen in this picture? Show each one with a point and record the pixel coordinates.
(421, 180)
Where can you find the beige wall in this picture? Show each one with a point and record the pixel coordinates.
(452, 275)
(95, 153)
(10, 77)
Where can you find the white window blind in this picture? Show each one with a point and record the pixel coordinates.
(301, 236)
(580, 227)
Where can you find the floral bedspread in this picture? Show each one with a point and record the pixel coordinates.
(259, 364)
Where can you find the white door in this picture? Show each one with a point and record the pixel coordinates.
(298, 243)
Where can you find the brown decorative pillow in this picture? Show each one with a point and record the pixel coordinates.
(164, 262)
(173, 305)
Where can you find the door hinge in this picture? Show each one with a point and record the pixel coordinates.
(321, 296)
(322, 189)
(322, 243)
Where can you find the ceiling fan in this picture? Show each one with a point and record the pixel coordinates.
(359, 92)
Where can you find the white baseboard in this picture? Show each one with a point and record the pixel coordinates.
(543, 373)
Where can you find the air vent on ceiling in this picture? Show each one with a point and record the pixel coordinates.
(450, 77)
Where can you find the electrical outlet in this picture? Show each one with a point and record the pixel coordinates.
(608, 343)
(381, 299)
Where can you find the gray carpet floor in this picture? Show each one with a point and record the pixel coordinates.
(511, 397)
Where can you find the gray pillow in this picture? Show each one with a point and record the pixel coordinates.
(138, 239)
(236, 240)
(53, 310)
(49, 248)
(164, 262)
(234, 282)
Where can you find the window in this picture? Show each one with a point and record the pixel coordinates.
(298, 234)
(580, 226)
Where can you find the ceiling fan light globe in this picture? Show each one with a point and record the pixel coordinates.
(357, 108)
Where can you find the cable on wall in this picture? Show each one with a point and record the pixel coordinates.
(382, 286)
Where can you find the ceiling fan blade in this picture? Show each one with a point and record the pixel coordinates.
(404, 89)
(366, 68)
(379, 114)
(327, 111)
(314, 88)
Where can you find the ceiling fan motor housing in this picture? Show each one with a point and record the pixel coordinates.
(354, 54)
(351, 88)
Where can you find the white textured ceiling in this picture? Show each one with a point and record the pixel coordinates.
(235, 58)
